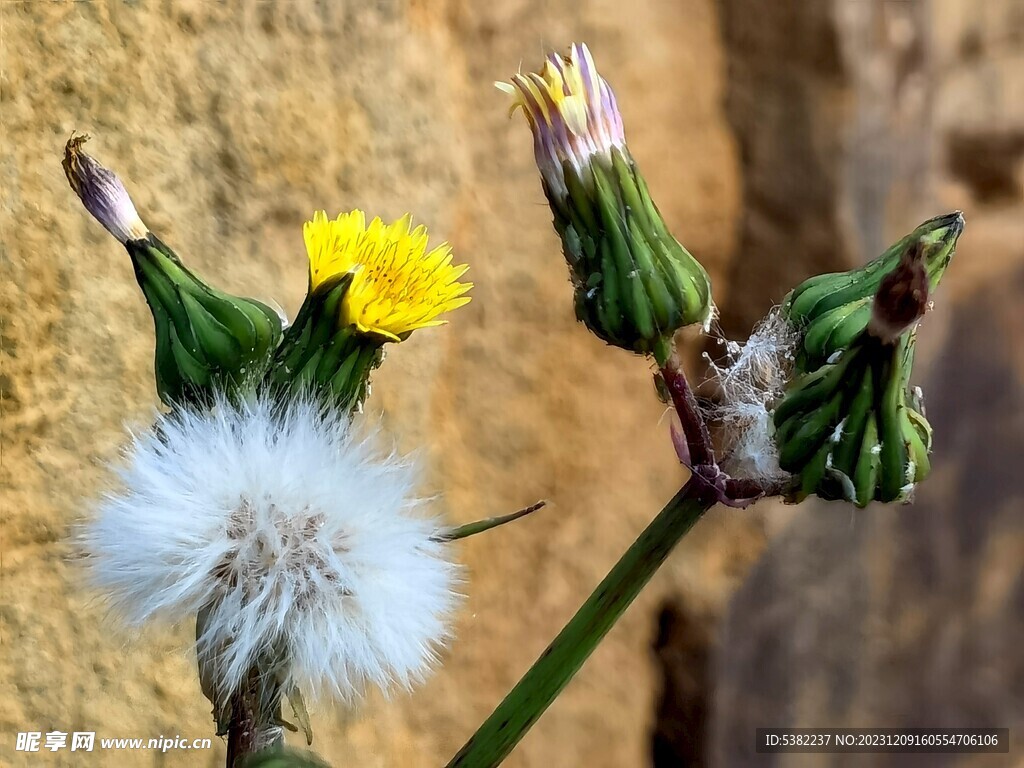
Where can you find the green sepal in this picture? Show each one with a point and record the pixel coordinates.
(207, 341)
(323, 359)
(894, 469)
(852, 430)
(299, 711)
(634, 283)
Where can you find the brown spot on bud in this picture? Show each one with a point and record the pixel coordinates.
(902, 297)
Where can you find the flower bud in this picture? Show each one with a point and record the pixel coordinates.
(206, 340)
(848, 426)
(635, 284)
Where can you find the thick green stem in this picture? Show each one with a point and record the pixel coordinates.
(556, 666)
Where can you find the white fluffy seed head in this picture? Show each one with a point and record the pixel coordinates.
(295, 534)
(748, 386)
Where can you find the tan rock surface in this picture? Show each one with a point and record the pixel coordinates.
(230, 123)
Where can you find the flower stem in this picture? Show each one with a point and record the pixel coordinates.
(253, 727)
(698, 439)
(507, 725)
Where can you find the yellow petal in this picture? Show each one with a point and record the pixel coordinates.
(398, 286)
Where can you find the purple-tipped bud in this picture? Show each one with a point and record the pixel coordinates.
(636, 285)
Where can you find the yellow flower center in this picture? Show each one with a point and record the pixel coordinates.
(398, 286)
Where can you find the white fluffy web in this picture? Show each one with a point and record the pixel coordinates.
(753, 379)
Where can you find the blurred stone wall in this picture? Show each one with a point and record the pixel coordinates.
(231, 123)
(909, 616)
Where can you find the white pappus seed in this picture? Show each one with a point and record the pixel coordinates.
(294, 531)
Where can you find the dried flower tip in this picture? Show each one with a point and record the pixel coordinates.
(101, 192)
(902, 297)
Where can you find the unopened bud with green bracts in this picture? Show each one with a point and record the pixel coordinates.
(206, 340)
(848, 425)
(635, 284)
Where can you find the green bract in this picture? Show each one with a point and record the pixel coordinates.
(635, 283)
(322, 357)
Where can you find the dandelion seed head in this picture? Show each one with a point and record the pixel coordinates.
(294, 534)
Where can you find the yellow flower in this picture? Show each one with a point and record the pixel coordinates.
(572, 112)
(398, 286)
